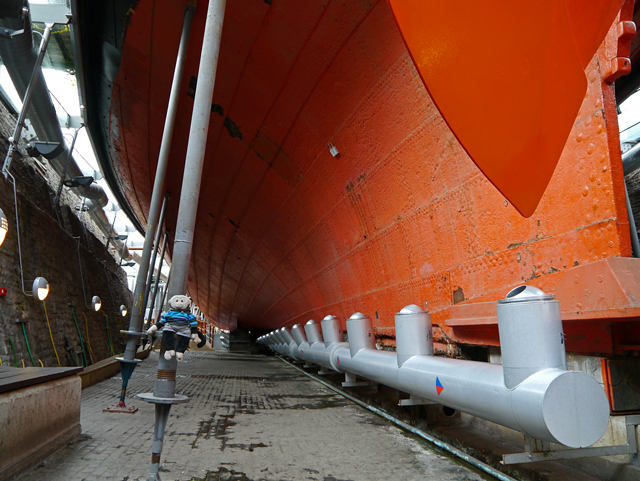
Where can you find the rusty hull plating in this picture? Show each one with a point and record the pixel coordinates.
(285, 231)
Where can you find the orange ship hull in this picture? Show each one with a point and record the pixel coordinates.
(287, 232)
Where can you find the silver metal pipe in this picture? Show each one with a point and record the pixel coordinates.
(157, 284)
(197, 144)
(137, 313)
(313, 332)
(164, 387)
(413, 333)
(152, 263)
(36, 75)
(157, 204)
(298, 334)
(529, 394)
(286, 334)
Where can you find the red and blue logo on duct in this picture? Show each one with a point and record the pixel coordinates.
(338, 359)
(439, 386)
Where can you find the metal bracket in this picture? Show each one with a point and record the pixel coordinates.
(350, 380)
(414, 401)
(325, 372)
(537, 450)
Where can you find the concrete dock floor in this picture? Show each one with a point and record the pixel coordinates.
(249, 418)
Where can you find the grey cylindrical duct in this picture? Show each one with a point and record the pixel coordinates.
(298, 334)
(531, 337)
(312, 329)
(279, 338)
(360, 330)
(552, 404)
(413, 333)
(331, 331)
(285, 332)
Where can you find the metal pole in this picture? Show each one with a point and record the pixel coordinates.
(154, 208)
(152, 264)
(161, 169)
(155, 288)
(137, 314)
(196, 146)
(165, 385)
(26, 102)
(166, 288)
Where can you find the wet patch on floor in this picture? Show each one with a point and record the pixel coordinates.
(223, 474)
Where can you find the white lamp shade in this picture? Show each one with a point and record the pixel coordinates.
(4, 226)
(40, 288)
(96, 303)
(123, 310)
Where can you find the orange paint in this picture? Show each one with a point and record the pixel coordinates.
(508, 79)
(286, 232)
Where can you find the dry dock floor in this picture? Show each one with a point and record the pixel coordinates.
(250, 418)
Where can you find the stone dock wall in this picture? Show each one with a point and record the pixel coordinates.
(65, 248)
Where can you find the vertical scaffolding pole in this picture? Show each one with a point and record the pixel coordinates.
(154, 208)
(165, 385)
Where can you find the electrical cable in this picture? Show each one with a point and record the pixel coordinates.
(23, 366)
(15, 356)
(41, 365)
(86, 322)
(50, 333)
(24, 330)
(109, 334)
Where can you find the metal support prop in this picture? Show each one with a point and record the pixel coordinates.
(197, 144)
(161, 170)
(537, 450)
(414, 401)
(164, 293)
(137, 312)
(155, 287)
(152, 263)
(26, 102)
(164, 389)
(351, 380)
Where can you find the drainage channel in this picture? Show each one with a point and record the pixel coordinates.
(476, 463)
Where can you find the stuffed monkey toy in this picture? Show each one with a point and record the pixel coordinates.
(178, 323)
